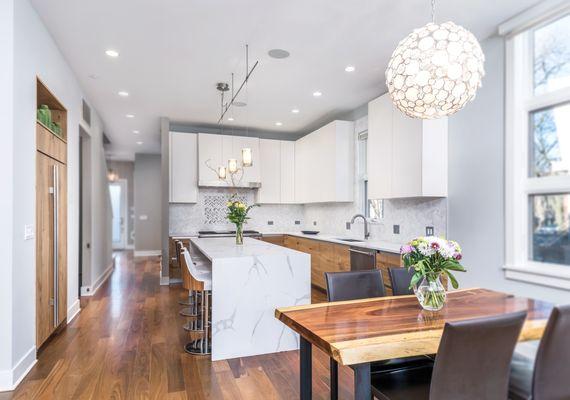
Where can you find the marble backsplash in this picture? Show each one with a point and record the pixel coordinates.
(412, 216)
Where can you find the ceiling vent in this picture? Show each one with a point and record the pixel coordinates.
(86, 113)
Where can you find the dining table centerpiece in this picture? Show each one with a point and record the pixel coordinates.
(429, 258)
(237, 214)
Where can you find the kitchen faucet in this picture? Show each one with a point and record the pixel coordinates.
(366, 230)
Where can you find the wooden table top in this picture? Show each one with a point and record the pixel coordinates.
(383, 328)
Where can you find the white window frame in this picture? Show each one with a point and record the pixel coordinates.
(520, 102)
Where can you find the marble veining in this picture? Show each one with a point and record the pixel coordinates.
(248, 283)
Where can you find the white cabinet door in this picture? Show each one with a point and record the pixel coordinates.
(379, 148)
(209, 150)
(270, 160)
(407, 156)
(183, 156)
(287, 171)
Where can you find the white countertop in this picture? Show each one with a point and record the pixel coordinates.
(368, 244)
(226, 247)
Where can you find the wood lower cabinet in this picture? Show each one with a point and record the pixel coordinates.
(275, 239)
(325, 257)
(385, 261)
(51, 246)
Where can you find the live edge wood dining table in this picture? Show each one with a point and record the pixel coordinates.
(359, 332)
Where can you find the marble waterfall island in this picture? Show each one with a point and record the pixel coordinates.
(248, 283)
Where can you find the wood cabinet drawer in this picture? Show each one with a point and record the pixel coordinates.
(50, 144)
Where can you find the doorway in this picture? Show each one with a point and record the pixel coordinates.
(118, 191)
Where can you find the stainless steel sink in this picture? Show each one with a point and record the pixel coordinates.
(349, 240)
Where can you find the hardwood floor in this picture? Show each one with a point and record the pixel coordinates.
(127, 343)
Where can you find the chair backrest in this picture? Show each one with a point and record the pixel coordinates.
(401, 279)
(474, 357)
(552, 365)
(353, 285)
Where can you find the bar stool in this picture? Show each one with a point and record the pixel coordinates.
(202, 283)
(189, 301)
(195, 324)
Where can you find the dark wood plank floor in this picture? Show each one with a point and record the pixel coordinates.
(127, 343)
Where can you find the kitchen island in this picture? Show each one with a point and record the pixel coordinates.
(249, 282)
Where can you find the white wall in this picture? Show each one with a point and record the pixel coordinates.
(35, 54)
(148, 200)
(6, 183)
(476, 184)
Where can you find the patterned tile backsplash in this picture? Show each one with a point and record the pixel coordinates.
(413, 215)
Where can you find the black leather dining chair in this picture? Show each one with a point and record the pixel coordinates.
(543, 374)
(355, 285)
(401, 279)
(472, 363)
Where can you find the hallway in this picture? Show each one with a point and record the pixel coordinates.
(127, 343)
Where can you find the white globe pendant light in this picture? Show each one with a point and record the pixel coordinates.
(435, 70)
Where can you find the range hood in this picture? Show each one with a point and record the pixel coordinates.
(222, 184)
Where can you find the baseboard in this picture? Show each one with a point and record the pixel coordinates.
(10, 379)
(73, 310)
(164, 281)
(91, 290)
(147, 253)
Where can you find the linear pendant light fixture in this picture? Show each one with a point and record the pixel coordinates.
(435, 70)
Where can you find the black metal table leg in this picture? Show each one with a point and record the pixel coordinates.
(362, 389)
(306, 370)
(333, 367)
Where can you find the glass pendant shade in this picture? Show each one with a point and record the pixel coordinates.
(246, 157)
(232, 165)
(222, 172)
(435, 71)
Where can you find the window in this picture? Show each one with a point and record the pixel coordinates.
(538, 154)
(373, 209)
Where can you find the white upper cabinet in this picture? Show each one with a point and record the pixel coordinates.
(287, 171)
(218, 149)
(277, 172)
(324, 164)
(183, 158)
(406, 157)
(270, 153)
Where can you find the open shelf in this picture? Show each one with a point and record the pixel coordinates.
(58, 111)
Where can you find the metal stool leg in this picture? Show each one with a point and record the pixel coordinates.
(202, 346)
(192, 310)
(195, 324)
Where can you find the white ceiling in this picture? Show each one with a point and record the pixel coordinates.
(172, 52)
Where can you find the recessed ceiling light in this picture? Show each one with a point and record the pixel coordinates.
(240, 104)
(230, 119)
(129, 116)
(278, 53)
(317, 94)
(112, 53)
(122, 93)
(350, 68)
(279, 123)
(136, 131)
(139, 143)
(295, 111)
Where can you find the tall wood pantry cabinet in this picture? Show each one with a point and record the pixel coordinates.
(51, 217)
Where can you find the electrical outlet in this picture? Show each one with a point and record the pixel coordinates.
(429, 230)
(314, 223)
(28, 232)
(348, 226)
(269, 222)
(396, 229)
(297, 222)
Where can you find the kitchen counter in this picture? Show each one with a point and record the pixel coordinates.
(368, 244)
(248, 283)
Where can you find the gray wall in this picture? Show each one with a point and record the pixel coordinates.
(148, 202)
(476, 209)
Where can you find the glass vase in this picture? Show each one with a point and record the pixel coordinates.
(239, 234)
(431, 294)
